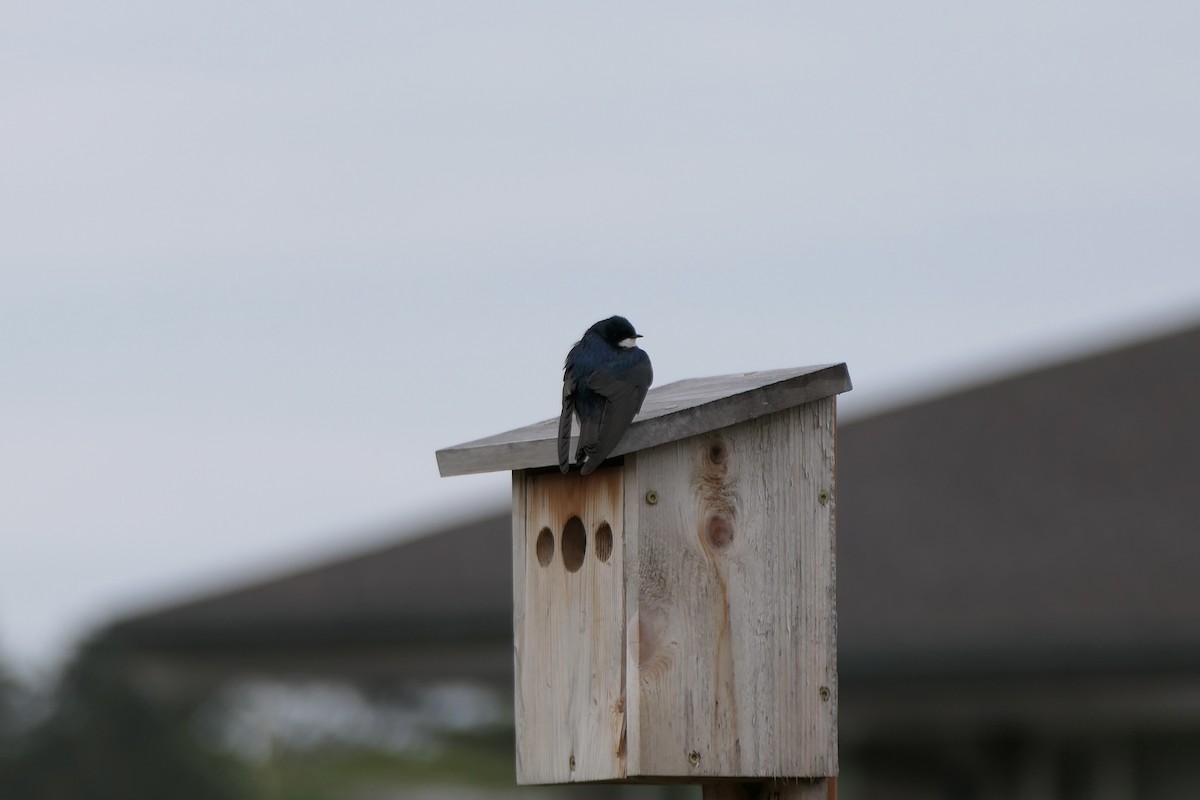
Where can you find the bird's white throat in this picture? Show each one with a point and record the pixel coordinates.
(630, 342)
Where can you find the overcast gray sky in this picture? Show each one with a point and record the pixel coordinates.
(260, 259)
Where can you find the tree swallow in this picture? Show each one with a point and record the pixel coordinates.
(605, 379)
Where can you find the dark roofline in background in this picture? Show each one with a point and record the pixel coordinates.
(219, 617)
(1013, 369)
(1041, 520)
(381, 538)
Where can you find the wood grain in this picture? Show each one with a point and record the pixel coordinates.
(732, 637)
(696, 640)
(569, 628)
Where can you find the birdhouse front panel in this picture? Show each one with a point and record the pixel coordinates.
(673, 611)
(569, 624)
(730, 600)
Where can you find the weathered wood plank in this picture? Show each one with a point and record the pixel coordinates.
(630, 635)
(519, 568)
(570, 629)
(677, 410)
(733, 636)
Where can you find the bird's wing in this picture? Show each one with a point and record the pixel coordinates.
(564, 421)
(624, 397)
(589, 434)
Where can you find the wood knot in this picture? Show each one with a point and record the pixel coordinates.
(653, 647)
(718, 530)
(714, 481)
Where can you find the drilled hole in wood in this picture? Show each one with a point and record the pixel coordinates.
(604, 542)
(545, 547)
(574, 544)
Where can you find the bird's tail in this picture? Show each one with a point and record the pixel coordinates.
(564, 436)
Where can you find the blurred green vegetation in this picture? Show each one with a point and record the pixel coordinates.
(323, 776)
(102, 738)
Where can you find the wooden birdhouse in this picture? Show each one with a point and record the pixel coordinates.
(673, 612)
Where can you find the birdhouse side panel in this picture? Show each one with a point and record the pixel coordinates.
(569, 628)
(730, 601)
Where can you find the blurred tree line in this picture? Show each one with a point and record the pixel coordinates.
(96, 737)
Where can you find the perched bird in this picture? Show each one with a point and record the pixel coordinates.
(605, 379)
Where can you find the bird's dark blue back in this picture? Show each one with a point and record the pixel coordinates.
(588, 355)
(604, 385)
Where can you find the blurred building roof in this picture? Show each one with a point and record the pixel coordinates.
(1046, 520)
(437, 604)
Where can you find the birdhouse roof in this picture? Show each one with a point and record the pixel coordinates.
(672, 412)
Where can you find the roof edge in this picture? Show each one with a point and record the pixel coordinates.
(675, 411)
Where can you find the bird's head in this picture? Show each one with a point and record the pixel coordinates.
(617, 331)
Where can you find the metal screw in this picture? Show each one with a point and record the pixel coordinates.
(824, 692)
(823, 497)
(651, 497)
(694, 757)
